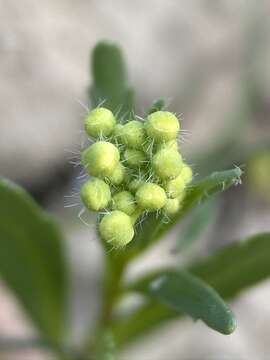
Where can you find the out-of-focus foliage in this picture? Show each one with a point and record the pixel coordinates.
(32, 261)
(184, 292)
(229, 271)
(110, 84)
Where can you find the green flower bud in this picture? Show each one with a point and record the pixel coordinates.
(172, 144)
(150, 197)
(134, 185)
(148, 146)
(167, 164)
(148, 152)
(95, 194)
(117, 133)
(100, 159)
(124, 201)
(138, 179)
(181, 196)
(135, 158)
(118, 175)
(162, 126)
(133, 134)
(186, 173)
(99, 121)
(171, 207)
(116, 228)
(128, 175)
(175, 187)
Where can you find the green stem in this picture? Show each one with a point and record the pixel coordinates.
(113, 276)
(115, 264)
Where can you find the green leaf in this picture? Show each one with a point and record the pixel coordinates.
(229, 271)
(200, 218)
(184, 292)
(237, 266)
(157, 105)
(110, 83)
(197, 193)
(201, 191)
(32, 262)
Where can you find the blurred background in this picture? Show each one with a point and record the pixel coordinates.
(210, 61)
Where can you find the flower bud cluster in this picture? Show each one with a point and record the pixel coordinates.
(135, 168)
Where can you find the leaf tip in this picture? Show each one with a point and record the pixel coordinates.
(238, 173)
(230, 325)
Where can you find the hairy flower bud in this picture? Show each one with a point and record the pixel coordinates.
(186, 173)
(171, 207)
(162, 126)
(98, 122)
(134, 184)
(133, 134)
(172, 144)
(124, 201)
(118, 175)
(150, 197)
(135, 158)
(167, 163)
(137, 169)
(116, 228)
(95, 194)
(117, 133)
(175, 187)
(181, 196)
(100, 159)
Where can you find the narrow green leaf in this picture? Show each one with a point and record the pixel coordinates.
(110, 84)
(237, 266)
(201, 191)
(185, 293)
(157, 105)
(229, 271)
(200, 218)
(31, 259)
(196, 194)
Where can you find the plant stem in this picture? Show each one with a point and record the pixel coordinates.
(113, 275)
(115, 264)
